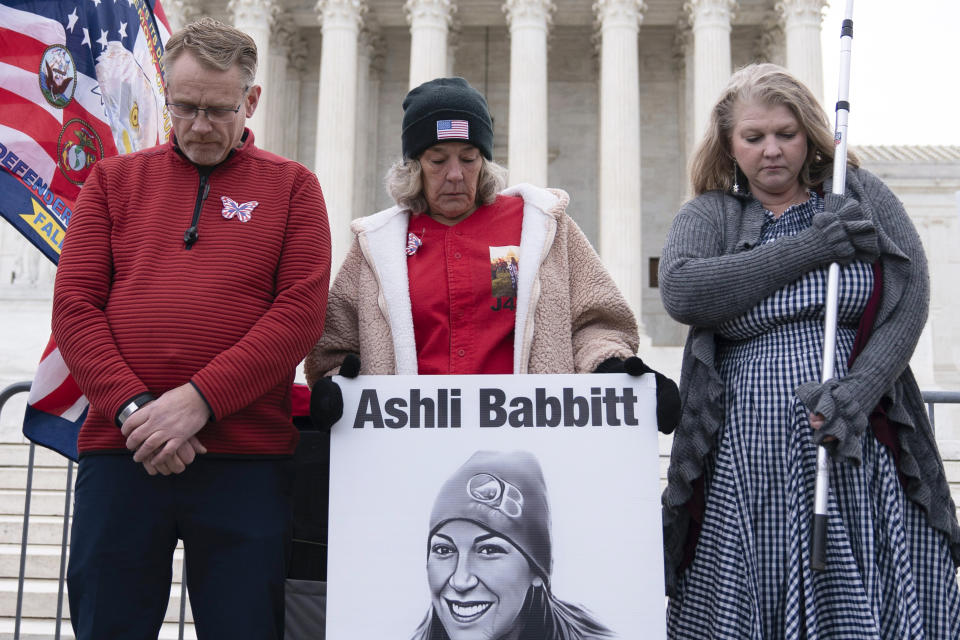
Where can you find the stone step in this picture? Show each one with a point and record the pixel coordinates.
(43, 561)
(40, 600)
(43, 629)
(952, 469)
(49, 478)
(17, 455)
(955, 494)
(42, 529)
(949, 451)
(43, 502)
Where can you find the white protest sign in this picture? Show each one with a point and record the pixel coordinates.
(437, 483)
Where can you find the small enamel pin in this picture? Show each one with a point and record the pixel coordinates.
(413, 243)
(232, 208)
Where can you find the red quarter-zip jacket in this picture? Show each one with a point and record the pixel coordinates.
(138, 309)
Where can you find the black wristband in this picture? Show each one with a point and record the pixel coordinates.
(130, 407)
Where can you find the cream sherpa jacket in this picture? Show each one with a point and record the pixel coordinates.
(570, 315)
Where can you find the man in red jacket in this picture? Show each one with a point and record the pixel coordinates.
(192, 282)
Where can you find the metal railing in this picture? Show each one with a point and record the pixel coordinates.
(930, 398)
(5, 395)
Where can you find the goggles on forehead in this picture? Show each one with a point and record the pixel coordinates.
(496, 493)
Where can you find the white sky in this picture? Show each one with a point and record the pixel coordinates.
(904, 71)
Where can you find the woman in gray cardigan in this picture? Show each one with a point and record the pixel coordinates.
(745, 266)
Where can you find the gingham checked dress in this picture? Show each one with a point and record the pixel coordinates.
(889, 574)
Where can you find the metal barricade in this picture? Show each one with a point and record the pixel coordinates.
(6, 394)
(943, 397)
(930, 398)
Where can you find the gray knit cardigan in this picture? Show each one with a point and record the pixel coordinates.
(713, 270)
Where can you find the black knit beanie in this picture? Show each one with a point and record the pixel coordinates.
(445, 109)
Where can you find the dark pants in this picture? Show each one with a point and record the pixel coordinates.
(310, 501)
(234, 518)
(306, 590)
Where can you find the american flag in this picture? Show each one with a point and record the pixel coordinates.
(456, 129)
(79, 80)
(56, 408)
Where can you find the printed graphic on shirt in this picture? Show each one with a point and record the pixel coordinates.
(504, 272)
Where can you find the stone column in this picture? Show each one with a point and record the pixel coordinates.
(429, 22)
(275, 128)
(771, 45)
(710, 20)
(683, 53)
(255, 18)
(367, 182)
(529, 22)
(296, 66)
(180, 13)
(453, 44)
(619, 203)
(337, 115)
(801, 24)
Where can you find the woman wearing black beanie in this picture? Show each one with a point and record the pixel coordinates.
(462, 276)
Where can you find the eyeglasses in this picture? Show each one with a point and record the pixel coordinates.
(214, 114)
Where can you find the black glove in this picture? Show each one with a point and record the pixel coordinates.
(668, 396)
(326, 400)
(350, 367)
(326, 403)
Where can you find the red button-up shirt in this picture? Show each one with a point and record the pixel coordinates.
(463, 290)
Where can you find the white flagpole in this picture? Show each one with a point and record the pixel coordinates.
(818, 545)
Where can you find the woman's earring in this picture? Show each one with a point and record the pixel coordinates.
(537, 581)
(736, 185)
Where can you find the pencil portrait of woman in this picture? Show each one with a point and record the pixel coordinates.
(489, 558)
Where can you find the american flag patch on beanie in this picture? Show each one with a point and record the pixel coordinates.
(453, 129)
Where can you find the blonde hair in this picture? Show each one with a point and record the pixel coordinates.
(711, 166)
(215, 45)
(404, 183)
